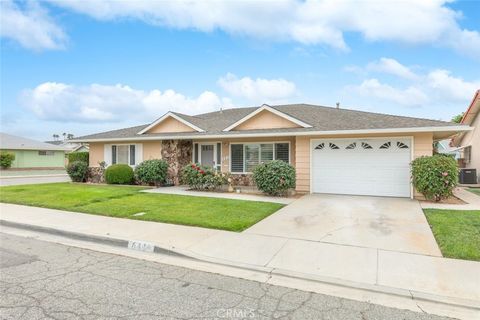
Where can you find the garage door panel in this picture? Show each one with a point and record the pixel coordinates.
(362, 166)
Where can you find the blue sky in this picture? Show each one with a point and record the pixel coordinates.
(84, 67)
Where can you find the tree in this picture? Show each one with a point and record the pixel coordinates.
(457, 118)
(69, 136)
(64, 135)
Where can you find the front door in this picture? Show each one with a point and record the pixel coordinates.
(207, 155)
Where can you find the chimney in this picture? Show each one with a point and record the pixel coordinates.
(338, 105)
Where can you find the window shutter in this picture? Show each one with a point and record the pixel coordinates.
(132, 154)
(195, 153)
(114, 154)
(282, 152)
(237, 158)
(219, 156)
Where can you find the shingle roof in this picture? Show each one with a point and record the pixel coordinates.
(10, 142)
(319, 117)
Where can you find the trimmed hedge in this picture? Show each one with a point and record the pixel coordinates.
(152, 172)
(78, 156)
(119, 174)
(6, 159)
(274, 177)
(77, 170)
(435, 176)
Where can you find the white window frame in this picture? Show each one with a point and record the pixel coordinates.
(116, 156)
(258, 143)
(217, 166)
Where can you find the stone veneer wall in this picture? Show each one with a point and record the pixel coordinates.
(242, 180)
(177, 153)
(96, 175)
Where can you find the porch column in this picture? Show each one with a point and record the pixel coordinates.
(177, 153)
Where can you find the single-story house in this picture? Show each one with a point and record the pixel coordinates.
(31, 154)
(334, 150)
(468, 143)
(70, 146)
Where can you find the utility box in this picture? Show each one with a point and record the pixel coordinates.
(468, 176)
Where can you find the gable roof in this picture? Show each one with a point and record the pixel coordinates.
(174, 115)
(266, 107)
(322, 120)
(11, 142)
(469, 116)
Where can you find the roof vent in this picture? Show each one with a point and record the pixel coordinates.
(338, 105)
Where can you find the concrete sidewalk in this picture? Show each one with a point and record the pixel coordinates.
(450, 281)
(184, 190)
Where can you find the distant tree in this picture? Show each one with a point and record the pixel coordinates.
(457, 118)
(69, 136)
(64, 135)
(55, 136)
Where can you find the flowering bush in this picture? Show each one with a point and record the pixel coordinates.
(152, 172)
(274, 177)
(203, 178)
(435, 177)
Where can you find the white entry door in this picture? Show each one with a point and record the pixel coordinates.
(377, 167)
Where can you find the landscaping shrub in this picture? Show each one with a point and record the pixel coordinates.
(119, 174)
(77, 170)
(202, 177)
(435, 177)
(274, 177)
(78, 156)
(152, 172)
(6, 159)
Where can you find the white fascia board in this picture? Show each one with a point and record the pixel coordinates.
(173, 115)
(272, 110)
(289, 133)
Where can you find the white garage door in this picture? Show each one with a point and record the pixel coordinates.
(377, 167)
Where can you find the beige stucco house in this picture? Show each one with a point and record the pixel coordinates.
(334, 150)
(468, 143)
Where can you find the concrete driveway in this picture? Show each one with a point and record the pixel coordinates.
(396, 224)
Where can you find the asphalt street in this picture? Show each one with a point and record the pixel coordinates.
(44, 280)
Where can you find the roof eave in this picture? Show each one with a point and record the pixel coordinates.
(448, 129)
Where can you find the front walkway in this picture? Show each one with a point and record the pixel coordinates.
(472, 201)
(183, 190)
(419, 276)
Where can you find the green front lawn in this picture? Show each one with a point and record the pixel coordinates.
(475, 190)
(125, 201)
(457, 232)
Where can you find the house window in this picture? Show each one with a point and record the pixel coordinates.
(245, 157)
(123, 154)
(46, 153)
(467, 154)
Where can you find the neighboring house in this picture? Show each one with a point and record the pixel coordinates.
(445, 147)
(70, 146)
(31, 153)
(468, 143)
(333, 150)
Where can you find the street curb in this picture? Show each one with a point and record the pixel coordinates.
(414, 295)
(36, 176)
(84, 237)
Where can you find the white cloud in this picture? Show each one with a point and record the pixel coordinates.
(437, 87)
(392, 66)
(112, 103)
(411, 96)
(258, 90)
(30, 26)
(450, 87)
(307, 22)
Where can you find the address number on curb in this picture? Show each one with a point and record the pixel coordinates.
(140, 246)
